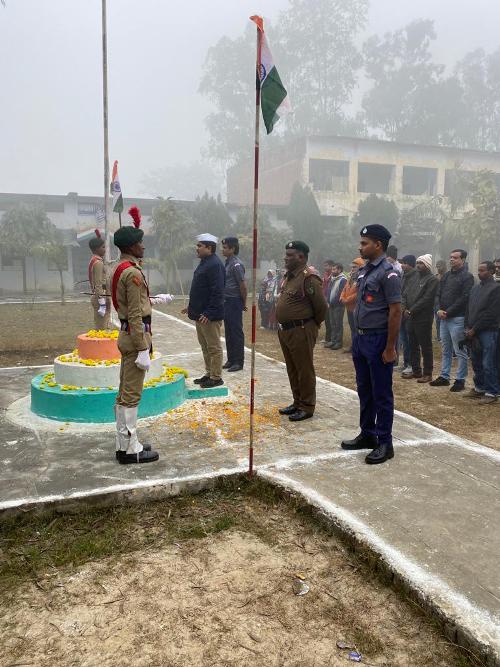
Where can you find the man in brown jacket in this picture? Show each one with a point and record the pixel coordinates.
(131, 300)
(300, 310)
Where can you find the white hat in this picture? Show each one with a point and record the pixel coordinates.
(207, 238)
(426, 260)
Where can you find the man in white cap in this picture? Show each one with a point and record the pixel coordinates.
(419, 314)
(206, 308)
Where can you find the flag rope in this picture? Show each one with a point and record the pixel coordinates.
(255, 246)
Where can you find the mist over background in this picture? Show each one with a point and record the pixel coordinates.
(51, 84)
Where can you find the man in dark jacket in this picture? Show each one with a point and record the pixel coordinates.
(418, 303)
(206, 308)
(409, 279)
(453, 295)
(482, 319)
(336, 308)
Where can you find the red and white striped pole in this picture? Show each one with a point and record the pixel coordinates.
(260, 29)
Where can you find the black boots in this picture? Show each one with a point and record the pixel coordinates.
(361, 441)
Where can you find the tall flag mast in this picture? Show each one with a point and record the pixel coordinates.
(116, 192)
(107, 213)
(271, 96)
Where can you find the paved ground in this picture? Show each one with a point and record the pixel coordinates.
(431, 514)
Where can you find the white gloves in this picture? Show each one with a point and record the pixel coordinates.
(102, 306)
(161, 298)
(143, 360)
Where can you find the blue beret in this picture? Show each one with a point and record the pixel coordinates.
(378, 232)
(298, 245)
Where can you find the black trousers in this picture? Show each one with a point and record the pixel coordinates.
(233, 330)
(420, 337)
(328, 327)
(336, 316)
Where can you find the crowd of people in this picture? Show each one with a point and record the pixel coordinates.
(392, 305)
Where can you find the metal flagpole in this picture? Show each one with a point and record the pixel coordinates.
(260, 28)
(107, 215)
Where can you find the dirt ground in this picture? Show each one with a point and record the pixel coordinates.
(36, 334)
(209, 580)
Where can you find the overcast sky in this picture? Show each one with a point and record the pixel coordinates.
(51, 86)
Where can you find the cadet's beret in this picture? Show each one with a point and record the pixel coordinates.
(96, 241)
(411, 260)
(378, 232)
(125, 237)
(298, 245)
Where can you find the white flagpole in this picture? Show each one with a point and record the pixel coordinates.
(107, 212)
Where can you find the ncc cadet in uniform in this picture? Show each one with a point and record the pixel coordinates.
(377, 318)
(300, 310)
(130, 294)
(98, 286)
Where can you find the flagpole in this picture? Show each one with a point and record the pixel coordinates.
(107, 215)
(255, 249)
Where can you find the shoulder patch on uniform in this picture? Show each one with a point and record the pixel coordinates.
(137, 281)
(310, 290)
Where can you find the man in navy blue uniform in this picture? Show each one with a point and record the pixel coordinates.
(377, 318)
(206, 308)
(235, 302)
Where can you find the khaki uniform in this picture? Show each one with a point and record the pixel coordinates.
(98, 285)
(133, 305)
(301, 298)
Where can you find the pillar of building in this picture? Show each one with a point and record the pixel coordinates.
(353, 178)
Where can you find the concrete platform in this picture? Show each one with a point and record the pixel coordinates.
(429, 517)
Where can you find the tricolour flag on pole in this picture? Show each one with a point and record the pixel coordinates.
(274, 97)
(116, 190)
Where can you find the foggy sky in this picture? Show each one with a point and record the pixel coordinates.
(51, 86)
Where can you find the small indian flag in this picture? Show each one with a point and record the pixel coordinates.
(274, 97)
(116, 190)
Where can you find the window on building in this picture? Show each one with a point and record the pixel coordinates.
(375, 178)
(11, 262)
(419, 181)
(88, 209)
(330, 175)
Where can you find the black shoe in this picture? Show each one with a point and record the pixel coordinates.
(202, 379)
(234, 368)
(458, 385)
(209, 383)
(289, 410)
(146, 448)
(361, 441)
(380, 454)
(336, 347)
(228, 364)
(140, 457)
(440, 382)
(299, 416)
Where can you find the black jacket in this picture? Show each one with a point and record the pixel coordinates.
(483, 307)
(453, 292)
(420, 296)
(206, 296)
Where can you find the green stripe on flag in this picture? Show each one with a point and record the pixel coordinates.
(118, 205)
(272, 95)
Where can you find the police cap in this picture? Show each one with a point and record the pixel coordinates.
(298, 245)
(377, 232)
(230, 241)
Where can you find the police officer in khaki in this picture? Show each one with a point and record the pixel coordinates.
(300, 310)
(101, 304)
(130, 295)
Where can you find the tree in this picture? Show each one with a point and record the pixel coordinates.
(183, 181)
(210, 215)
(53, 250)
(376, 211)
(271, 240)
(174, 232)
(305, 220)
(410, 99)
(22, 228)
(318, 59)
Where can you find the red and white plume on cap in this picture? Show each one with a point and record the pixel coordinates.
(97, 233)
(135, 214)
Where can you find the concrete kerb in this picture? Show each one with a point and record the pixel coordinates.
(461, 622)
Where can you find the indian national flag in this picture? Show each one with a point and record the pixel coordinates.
(116, 190)
(273, 97)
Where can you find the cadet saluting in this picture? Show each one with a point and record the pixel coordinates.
(377, 318)
(300, 310)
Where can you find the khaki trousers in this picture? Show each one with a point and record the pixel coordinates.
(131, 381)
(297, 346)
(101, 322)
(211, 347)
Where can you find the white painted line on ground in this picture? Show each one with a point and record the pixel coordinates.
(23, 368)
(478, 621)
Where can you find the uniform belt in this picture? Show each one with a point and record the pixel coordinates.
(146, 323)
(293, 324)
(367, 332)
